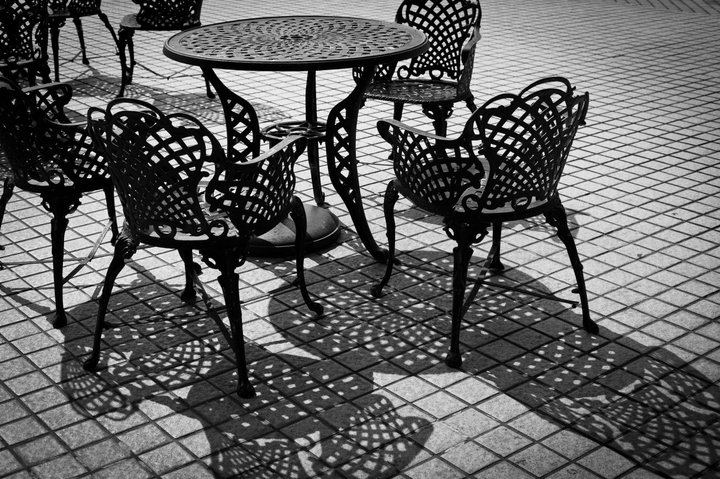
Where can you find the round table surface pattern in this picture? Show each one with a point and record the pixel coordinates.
(298, 42)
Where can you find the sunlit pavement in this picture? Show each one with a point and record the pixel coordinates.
(363, 391)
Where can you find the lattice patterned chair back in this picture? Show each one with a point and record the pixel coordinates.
(169, 14)
(53, 157)
(178, 190)
(165, 15)
(505, 166)
(62, 10)
(441, 76)
(23, 38)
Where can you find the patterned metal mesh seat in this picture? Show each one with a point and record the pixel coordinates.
(505, 166)
(440, 77)
(53, 157)
(23, 39)
(62, 10)
(163, 15)
(159, 164)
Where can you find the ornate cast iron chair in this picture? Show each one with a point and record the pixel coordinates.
(440, 77)
(23, 39)
(53, 157)
(157, 163)
(62, 10)
(505, 166)
(155, 15)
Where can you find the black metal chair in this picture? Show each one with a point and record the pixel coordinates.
(53, 157)
(155, 15)
(61, 11)
(505, 166)
(23, 39)
(157, 163)
(440, 77)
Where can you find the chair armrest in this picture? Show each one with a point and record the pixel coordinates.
(257, 194)
(383, 127)
(432, 171)
(238, 168)
(51, 99)
(467, 49)
(72, 147)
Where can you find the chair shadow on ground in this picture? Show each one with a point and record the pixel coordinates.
(208, 111)
(319, 382)
(167, 365)
(641, 401)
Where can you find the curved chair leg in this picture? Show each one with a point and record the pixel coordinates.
(398, 110)
(189, 295)
(131, 52)
(103, 18)
(208, 89)
(8, 187)
(391, 197)
(439, 114)
(81, 39)
(557, 217)
(461, 254)
(110, 205)
(298, 216)
(470, 102)
(116, 265)
(494, 262)
(397, 114)
(55, 26)
(125, 43)
(226, 262)
(59, 208)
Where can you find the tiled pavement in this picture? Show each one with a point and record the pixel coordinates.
(363, 392)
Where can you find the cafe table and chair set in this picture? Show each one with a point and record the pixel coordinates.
(181, 189)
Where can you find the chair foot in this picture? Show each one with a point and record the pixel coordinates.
(316, 308)
(590, 326)
(189, 295)
(60, 320)
(91, 363)
(453, 360)
(376, 290)
(246, 390)
(496, 265)
(110, 325)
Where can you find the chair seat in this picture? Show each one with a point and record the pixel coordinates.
(469, 203)
(227, 230)
(131, 22)
(415, 91)
(55, 13)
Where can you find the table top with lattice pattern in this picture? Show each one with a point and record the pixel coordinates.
(295, 43)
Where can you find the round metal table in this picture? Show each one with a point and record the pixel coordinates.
(302, 43)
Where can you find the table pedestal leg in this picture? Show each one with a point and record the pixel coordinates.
(340, 140)
(312, 148)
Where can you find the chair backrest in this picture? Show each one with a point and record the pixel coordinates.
(21, 138)
(169, 14)
(23, 32)
(448, 25)
(508, 160)
(156, 163)
(526, 140)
